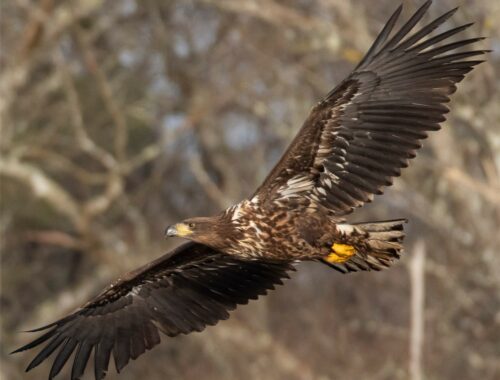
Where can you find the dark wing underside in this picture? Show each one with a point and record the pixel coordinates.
(183, 291)
(365, 130)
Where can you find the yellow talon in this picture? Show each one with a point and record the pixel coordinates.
(340, 253)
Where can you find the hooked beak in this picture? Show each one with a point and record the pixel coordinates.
(179, 229)
(171, 231)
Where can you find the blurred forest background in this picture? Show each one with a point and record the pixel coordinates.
(121, 117)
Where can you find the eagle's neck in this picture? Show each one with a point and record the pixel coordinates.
(247, 225)
(223, 233)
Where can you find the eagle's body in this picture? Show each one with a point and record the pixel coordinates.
(354, 142)
(279, 233)
(272, 230)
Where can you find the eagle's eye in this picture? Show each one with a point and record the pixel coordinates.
(191, 225)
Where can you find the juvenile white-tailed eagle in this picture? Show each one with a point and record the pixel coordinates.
(350, 147)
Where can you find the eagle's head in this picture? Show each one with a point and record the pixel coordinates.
(205, 230)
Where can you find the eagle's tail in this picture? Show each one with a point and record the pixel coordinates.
(372, 246)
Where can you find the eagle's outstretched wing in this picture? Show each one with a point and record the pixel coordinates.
(366, 129)
(185, 290)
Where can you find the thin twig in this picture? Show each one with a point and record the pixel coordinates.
(211, 189)
(106, 92)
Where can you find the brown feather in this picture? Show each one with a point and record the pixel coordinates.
(366, 129)
(187, 289)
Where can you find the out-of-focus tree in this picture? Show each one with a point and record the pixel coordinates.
(120, 117)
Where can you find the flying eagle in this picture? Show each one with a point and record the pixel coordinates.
(354, 142)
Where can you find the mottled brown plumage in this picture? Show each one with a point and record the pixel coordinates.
(354, 142)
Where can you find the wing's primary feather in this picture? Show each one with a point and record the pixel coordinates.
(182, 291)
(366, 129)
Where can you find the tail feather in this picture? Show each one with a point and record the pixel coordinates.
(377, 245)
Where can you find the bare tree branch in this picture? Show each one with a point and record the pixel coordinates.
(43, 187)
(417, 280)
